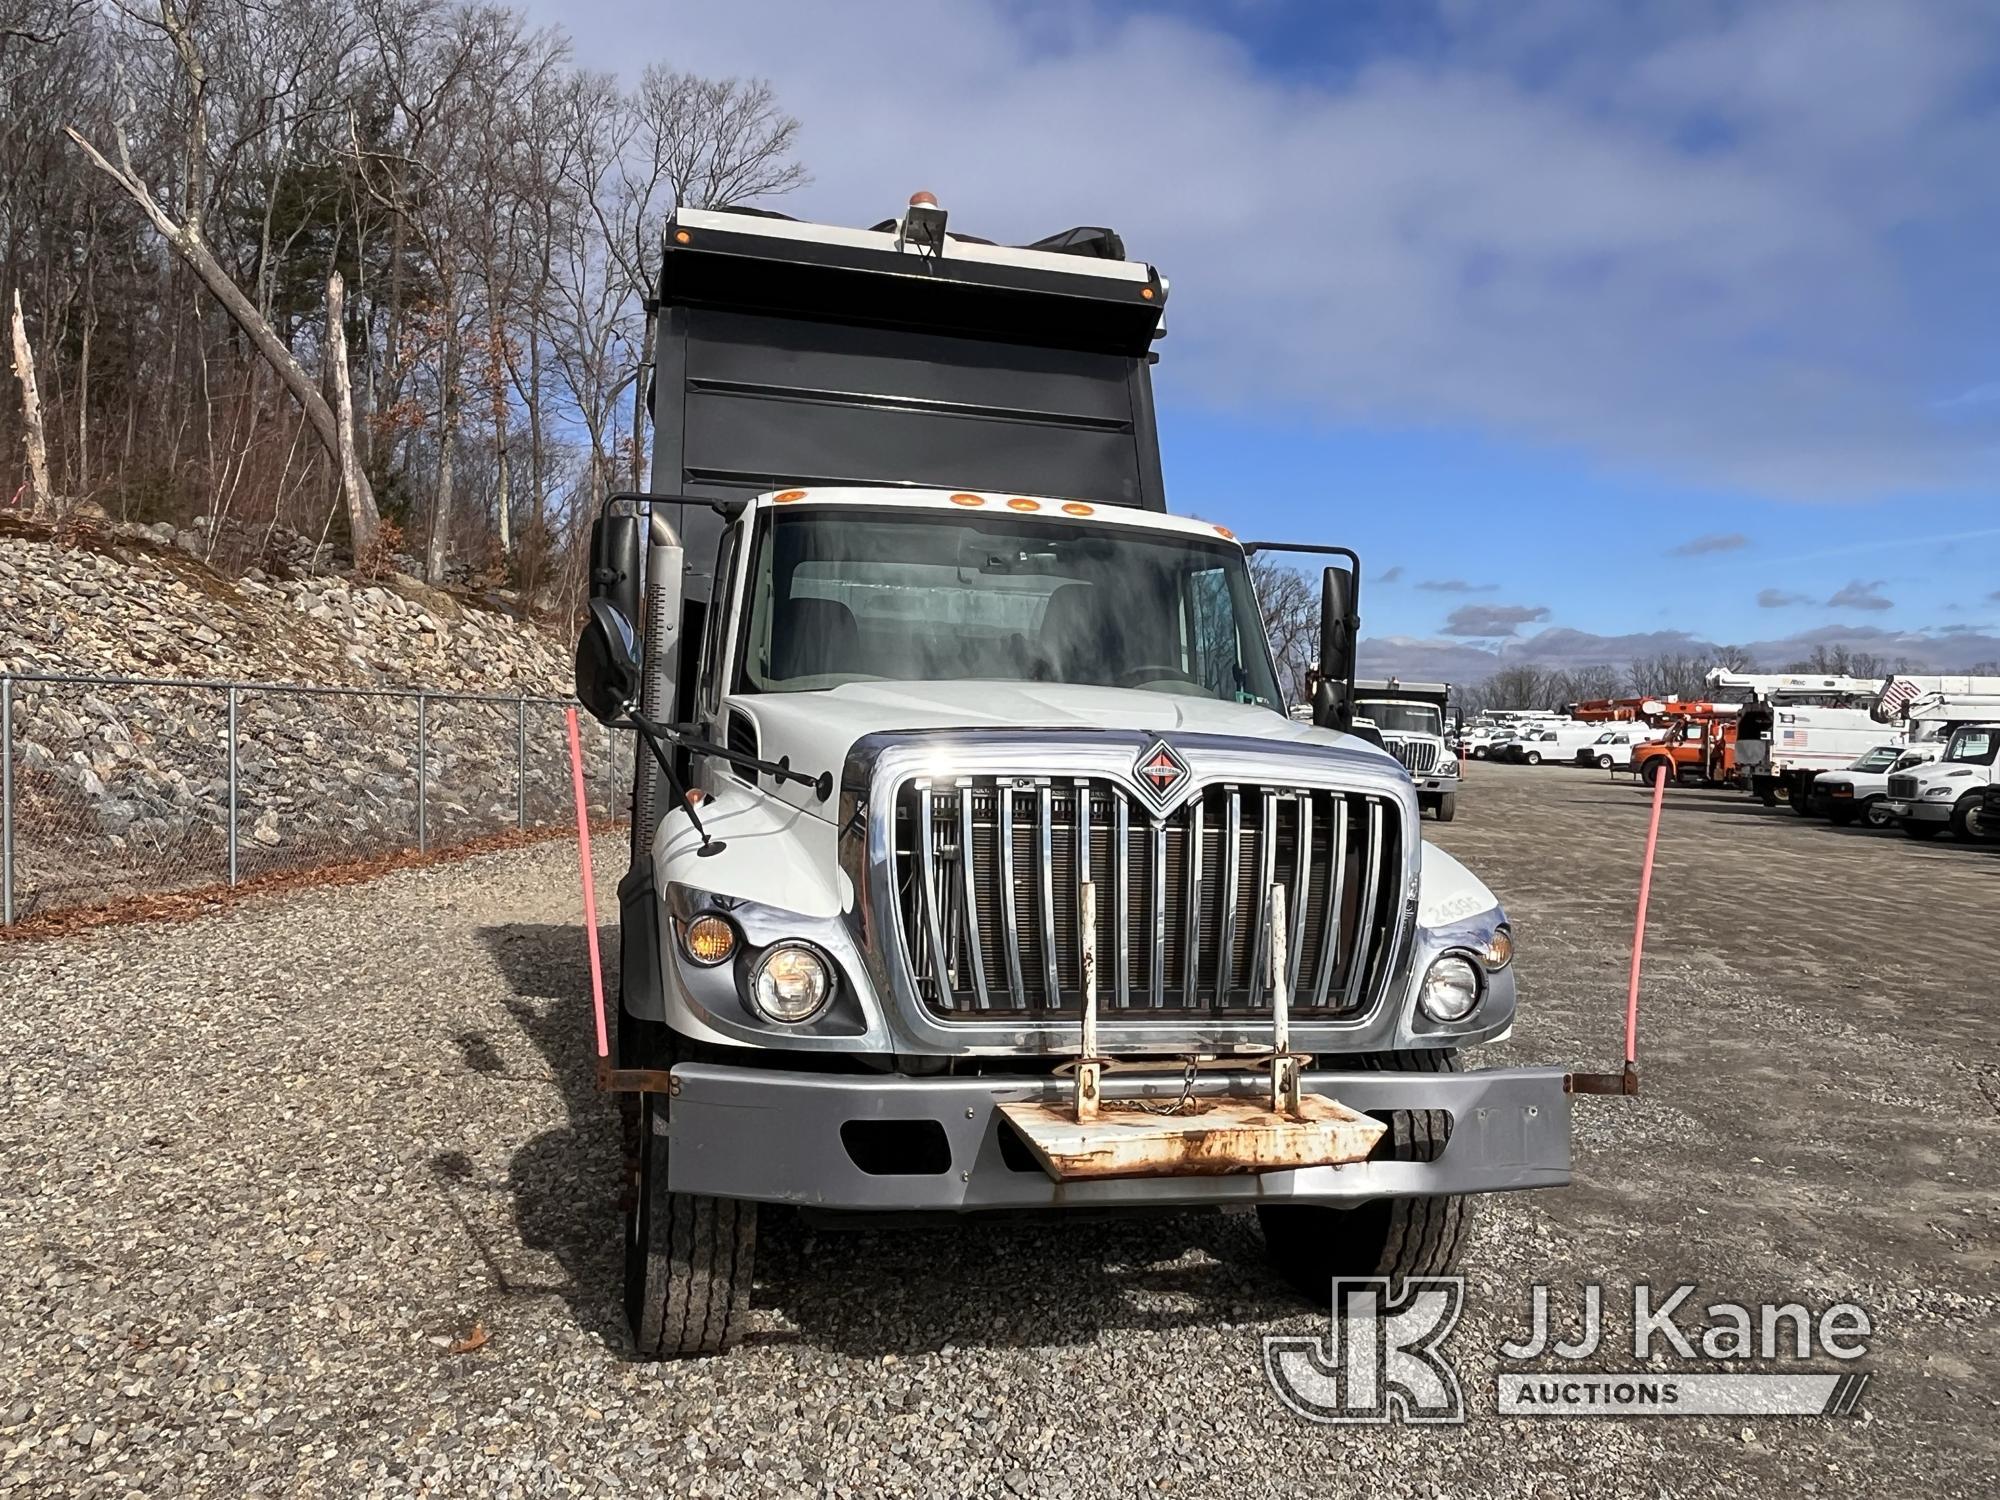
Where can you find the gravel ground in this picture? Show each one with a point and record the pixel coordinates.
(262, 1170)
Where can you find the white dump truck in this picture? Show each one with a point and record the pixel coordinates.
(1409, 717)
(977, 865)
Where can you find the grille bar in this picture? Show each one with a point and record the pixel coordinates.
(983, 934)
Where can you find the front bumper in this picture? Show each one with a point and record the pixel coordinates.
(781, 1137)
(1921, 810)
(1432, 786)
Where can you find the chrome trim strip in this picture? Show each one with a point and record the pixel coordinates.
(1267, 872)
(928, 893)
(1157, 968)
(1051, 974)
(1371, 887)
(1004, 794)
(1302, 875)
(1232, 854)
(1124, 900)
(969, 881)
(1336, 891)
(1191, 937)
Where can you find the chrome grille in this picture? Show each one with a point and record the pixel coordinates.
(1903, 788)
(1421, 756)
(989, 871)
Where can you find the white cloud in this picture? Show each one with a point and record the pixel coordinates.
(1665, 245)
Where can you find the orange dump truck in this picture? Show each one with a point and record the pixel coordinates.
(1697, 740)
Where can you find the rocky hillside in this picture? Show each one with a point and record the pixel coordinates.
(122, 788)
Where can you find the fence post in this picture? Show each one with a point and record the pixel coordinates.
(232, 783)
(521, 763)
(423, 769)
(6, 802)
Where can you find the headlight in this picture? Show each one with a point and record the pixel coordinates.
(1450, 990)
(1448, 766)
(708, 940)
(791, 983)
(1938, 791)
(1499, 951)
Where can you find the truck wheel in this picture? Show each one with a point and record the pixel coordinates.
(1967, 822)
(1604, 763)
(1875, 815)
(1311, 1245)
(688, 1258)
(1447, 807)
(1767, 792)
(1533, 757)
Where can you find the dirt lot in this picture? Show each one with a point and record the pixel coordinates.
(260, 1170)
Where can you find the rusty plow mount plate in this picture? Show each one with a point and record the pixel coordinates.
(1215, 1136)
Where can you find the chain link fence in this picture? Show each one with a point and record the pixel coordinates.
(114, 787)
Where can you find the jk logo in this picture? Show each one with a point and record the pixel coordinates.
(1380, 1360)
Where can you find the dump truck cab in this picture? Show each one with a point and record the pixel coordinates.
(1409, 718)
(977, 864)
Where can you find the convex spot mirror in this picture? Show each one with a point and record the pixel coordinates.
(607, 663)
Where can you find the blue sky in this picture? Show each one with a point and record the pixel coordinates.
(1603, 320)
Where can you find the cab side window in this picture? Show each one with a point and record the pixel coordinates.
(714, 670)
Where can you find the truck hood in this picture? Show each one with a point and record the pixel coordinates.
(817, 730)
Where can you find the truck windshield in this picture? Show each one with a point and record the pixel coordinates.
(849, 594)
(1974, 747)
(1400, 718)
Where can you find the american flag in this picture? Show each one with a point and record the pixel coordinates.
(1899, 692)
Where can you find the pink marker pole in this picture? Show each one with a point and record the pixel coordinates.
(590, 884)
(1639, 928)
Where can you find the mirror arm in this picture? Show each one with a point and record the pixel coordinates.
(682, 736)
(651, 734)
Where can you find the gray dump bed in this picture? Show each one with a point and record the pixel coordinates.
(791, 354)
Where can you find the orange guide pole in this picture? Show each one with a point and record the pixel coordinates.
(1639, 928)
(590, 884)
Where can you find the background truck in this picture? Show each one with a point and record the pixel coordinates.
(976, 864)
(1932, 710)
(1859, 794)
(1410, 718)
(1613, 748)
(1697, 740)
(1555, 743)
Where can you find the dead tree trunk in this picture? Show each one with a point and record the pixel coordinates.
(193, 249)
(39, 499)
(362, 517)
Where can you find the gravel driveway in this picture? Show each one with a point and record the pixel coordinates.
(261, 1171)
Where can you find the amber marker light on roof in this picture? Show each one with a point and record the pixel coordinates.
(1224, 531)
(681, 236)
(1021, 503)
(786, 497)
(967, 500)
(1146, 292)
(1078, 508)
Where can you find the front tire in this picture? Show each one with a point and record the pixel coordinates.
(1605, 763)
(1875, 815)
(1447, 807)
(1533, 757)
(1967, 821)
(688, 1258)
(1311, 1245)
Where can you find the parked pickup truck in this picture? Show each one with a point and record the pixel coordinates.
(1612, 749)
(1860, 793)
(976, 863)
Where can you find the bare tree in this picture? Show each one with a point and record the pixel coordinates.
(1290, 607)
(39, 498)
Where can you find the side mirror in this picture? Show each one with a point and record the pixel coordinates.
(1339, 626)
(607, 663)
